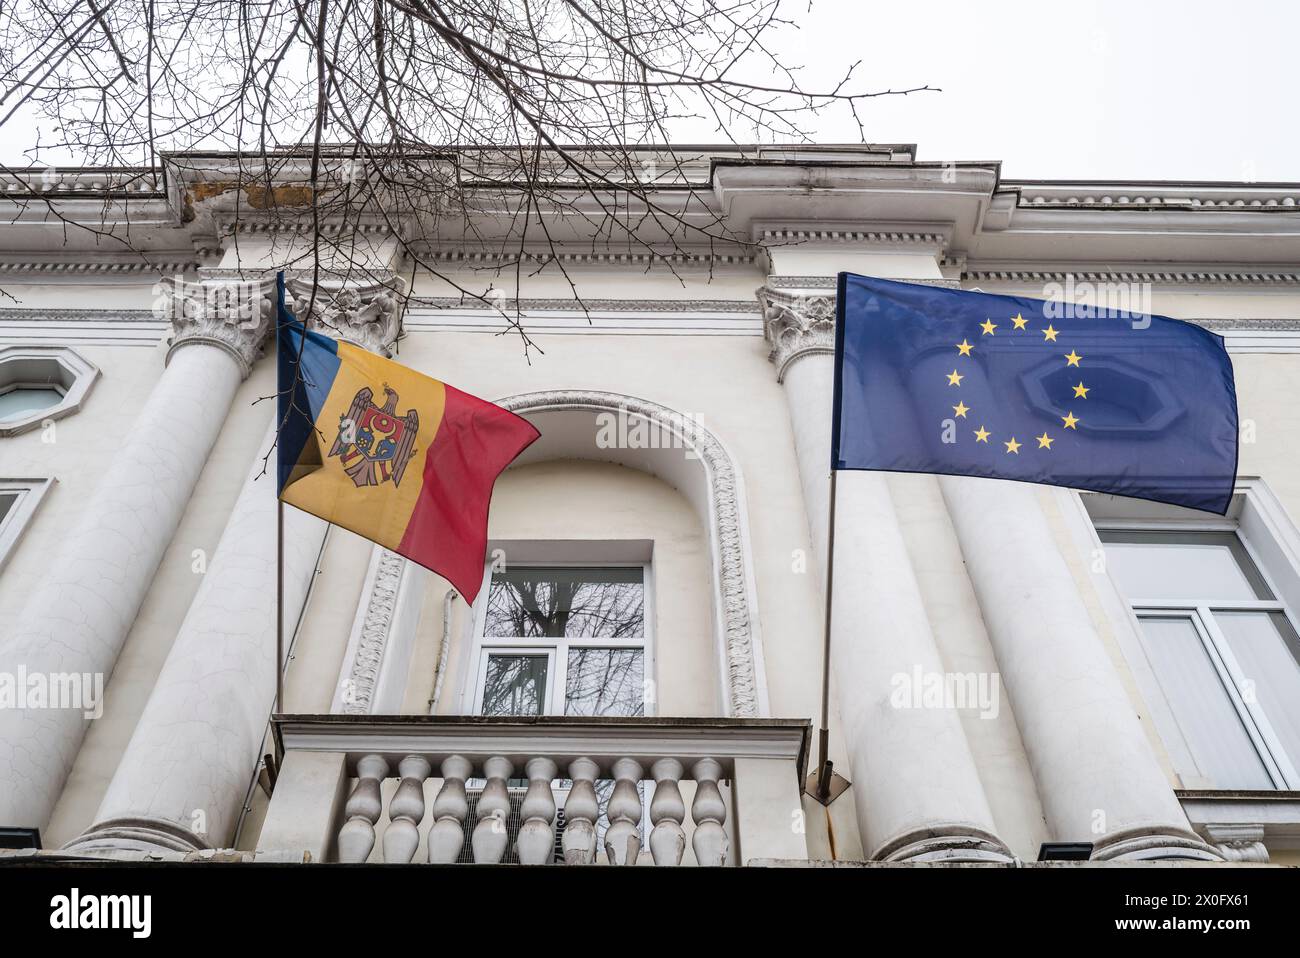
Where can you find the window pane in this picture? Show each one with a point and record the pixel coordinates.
(572, 603)
(25, 399)
(7, 501)
(1183, 565)
(515, 685)
(605, 682)
(1266, 647)
(1215, 751)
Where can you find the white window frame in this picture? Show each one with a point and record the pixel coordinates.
(21, 365)
(30, 492)
(558, 647)
(1271, 542)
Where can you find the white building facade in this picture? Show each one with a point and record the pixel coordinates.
(640, 678)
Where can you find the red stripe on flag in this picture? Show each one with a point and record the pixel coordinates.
(447, 531)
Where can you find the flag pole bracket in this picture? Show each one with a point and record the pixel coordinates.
(825, 784)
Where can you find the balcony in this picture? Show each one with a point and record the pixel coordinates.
(548, 790)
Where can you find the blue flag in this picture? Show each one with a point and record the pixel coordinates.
(969, 384)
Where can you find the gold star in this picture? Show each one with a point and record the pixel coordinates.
(1049, 333)
(961, 409)
(955, 378)
(1069, 421)
(964, 348)
(1019, 321)
(1081, 391)
(1044, 441)
(1072, 358)
(982, 435)
(988, 326)
(1013, 446)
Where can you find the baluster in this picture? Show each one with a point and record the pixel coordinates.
(623, 839)
(406, 810)
(709, 811)
(449, 810)
(536, 842)
(581, 809)
(667, 810)
(357, 836)
(490, 839)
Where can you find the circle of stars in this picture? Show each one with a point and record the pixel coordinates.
(1018, 323)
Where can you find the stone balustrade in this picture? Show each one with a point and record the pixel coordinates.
(550, 790)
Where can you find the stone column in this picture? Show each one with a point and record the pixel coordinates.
(1097, 776)
(79, 618)
(918, 795)
(181, 783)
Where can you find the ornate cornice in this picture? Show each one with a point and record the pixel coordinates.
(79, 315)
(778, 281)
(1236, 325)
(169, 267)
(369, 316)
(1256, 277)
(793, 235)
(641, 258)
(796, 326)
(725, 510)
(233, 314)
(37, 180)
(253, 224)
(590, 305)
(1234, 197)
(89, 317)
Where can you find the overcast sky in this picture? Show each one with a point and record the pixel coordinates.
(1055, 89)
(1130, 89)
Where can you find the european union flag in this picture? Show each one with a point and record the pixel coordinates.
(970, 384)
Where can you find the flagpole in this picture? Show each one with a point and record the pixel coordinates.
(824, 784)
(279, 606)
(823, 732)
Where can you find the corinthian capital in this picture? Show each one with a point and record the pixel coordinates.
(796, 325)
(369, 316)
(231, 314)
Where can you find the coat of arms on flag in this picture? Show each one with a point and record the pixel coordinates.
(374, 443)
(436, 510)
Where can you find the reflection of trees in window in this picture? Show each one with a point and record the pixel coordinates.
(574, 603)
(605, 682)
(514, 685)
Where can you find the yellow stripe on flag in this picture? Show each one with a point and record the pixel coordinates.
(379, 512)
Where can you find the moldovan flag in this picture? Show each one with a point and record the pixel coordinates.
(404, 460)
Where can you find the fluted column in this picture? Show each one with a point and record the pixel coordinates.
(87, 602)
(1097, 777)
(918, 794)
(182, 779)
